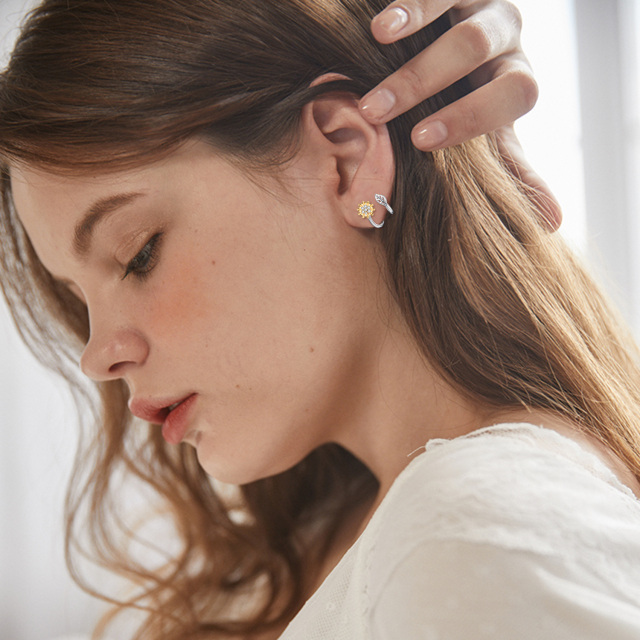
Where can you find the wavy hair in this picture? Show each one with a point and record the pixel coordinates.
(500, 308)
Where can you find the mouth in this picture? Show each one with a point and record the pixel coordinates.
(172, 414)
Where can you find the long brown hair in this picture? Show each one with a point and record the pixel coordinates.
(500, 308)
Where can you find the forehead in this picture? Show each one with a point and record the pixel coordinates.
(35, 190)
(39, 195)
(33, 187)
(50, 204)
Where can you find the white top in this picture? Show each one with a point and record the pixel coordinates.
(511, 532)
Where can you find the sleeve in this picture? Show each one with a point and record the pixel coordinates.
(457, 590)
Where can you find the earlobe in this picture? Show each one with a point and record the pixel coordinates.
(357, 154)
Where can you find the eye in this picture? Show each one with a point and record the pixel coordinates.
(145, 260)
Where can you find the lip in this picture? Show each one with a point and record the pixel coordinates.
(174, 423)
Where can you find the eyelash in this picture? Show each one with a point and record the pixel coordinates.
(145, 260)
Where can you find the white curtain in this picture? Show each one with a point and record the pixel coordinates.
(574, 48)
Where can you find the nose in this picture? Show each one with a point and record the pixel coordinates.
(111, 354)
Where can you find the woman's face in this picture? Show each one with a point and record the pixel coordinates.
(247, 305)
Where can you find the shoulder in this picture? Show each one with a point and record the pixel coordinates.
(490, 513)
(506, 478)
(459, 590)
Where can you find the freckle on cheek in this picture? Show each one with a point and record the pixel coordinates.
(311, 349)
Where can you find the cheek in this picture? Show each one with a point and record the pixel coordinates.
(244, 318)
(205, 307)
(177, 303)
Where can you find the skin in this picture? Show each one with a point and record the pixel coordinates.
(134, 324)
(267, 301)
(483, 44)
(119, 343)
(265, 297)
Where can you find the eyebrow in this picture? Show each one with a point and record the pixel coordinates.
(96, 214)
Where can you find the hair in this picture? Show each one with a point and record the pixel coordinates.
(497, 305)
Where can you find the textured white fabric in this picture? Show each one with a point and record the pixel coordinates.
(511, 532)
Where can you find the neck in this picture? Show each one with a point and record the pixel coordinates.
(399, 403)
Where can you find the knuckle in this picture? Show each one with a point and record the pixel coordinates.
(467, 124)
(477, 40)
(513, 14)
(527, 88)
(412, 82)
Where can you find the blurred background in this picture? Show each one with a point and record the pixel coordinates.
(582, 137)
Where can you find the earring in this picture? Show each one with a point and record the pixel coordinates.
(366, 210)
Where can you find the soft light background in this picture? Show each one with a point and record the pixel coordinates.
(583, 137)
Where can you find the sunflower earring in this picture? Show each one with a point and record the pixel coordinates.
(366, 210)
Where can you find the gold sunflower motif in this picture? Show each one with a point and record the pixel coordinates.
(365, 210)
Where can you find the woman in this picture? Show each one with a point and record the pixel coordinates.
(196, 209)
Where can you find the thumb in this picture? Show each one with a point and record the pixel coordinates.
(537, 189)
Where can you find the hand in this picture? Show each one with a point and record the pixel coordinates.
(484, 44)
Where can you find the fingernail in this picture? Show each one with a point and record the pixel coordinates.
(376, 105)
(431, 136)
(393, 20)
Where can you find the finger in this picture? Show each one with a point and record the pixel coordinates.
(456, 54)
(496, 104)
(464, 10)
(404, 17)
(537, 189)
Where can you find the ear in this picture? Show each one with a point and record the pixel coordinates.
(355, 157)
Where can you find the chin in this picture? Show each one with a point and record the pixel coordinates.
(241, 466)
